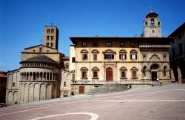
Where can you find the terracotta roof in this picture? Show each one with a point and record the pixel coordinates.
(39, 59)
(41, 45)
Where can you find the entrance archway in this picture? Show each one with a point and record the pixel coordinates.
(154, 69)
(109, 74)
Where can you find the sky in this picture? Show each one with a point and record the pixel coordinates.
(22, 21)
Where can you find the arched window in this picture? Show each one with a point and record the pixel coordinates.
(122, 55)
(84, 54)
(133, 55)
(109, 54)
(123, 71)
(95, 72)
(95, 53)
(84, 72)
(134, 72)
(164, 71)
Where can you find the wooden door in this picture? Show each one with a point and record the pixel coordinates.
(81, 89)
(109, 74)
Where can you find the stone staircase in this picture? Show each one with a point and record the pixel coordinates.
(107, 88)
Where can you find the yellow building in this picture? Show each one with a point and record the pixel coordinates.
(121, 60)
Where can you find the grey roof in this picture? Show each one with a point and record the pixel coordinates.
(40, 59)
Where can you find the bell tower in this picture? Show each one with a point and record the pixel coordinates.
(152, 25)
(51, 36)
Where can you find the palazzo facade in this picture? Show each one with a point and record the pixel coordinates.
(121, 60)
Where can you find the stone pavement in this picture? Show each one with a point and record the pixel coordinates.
(156, 103)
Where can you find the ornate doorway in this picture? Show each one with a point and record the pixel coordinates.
(109, 74)
(154, 69)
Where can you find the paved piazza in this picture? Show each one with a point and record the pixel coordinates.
(157, 103)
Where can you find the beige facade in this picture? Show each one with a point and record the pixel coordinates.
(144, 65)
(121, 60)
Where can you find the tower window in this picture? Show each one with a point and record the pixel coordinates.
(47, 37)
(52, 30)
(146, 23)
(159, 23)
(51, 37)
(152, 22)
(48, 30)
(47, 44)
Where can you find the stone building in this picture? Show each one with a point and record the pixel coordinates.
(121, 60)
(12, 88)
(66, 79)
(3, 82)
(178, 53)
(41, 73)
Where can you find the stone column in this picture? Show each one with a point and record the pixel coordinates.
(36, 92)
(31, 90)
(42, 92)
